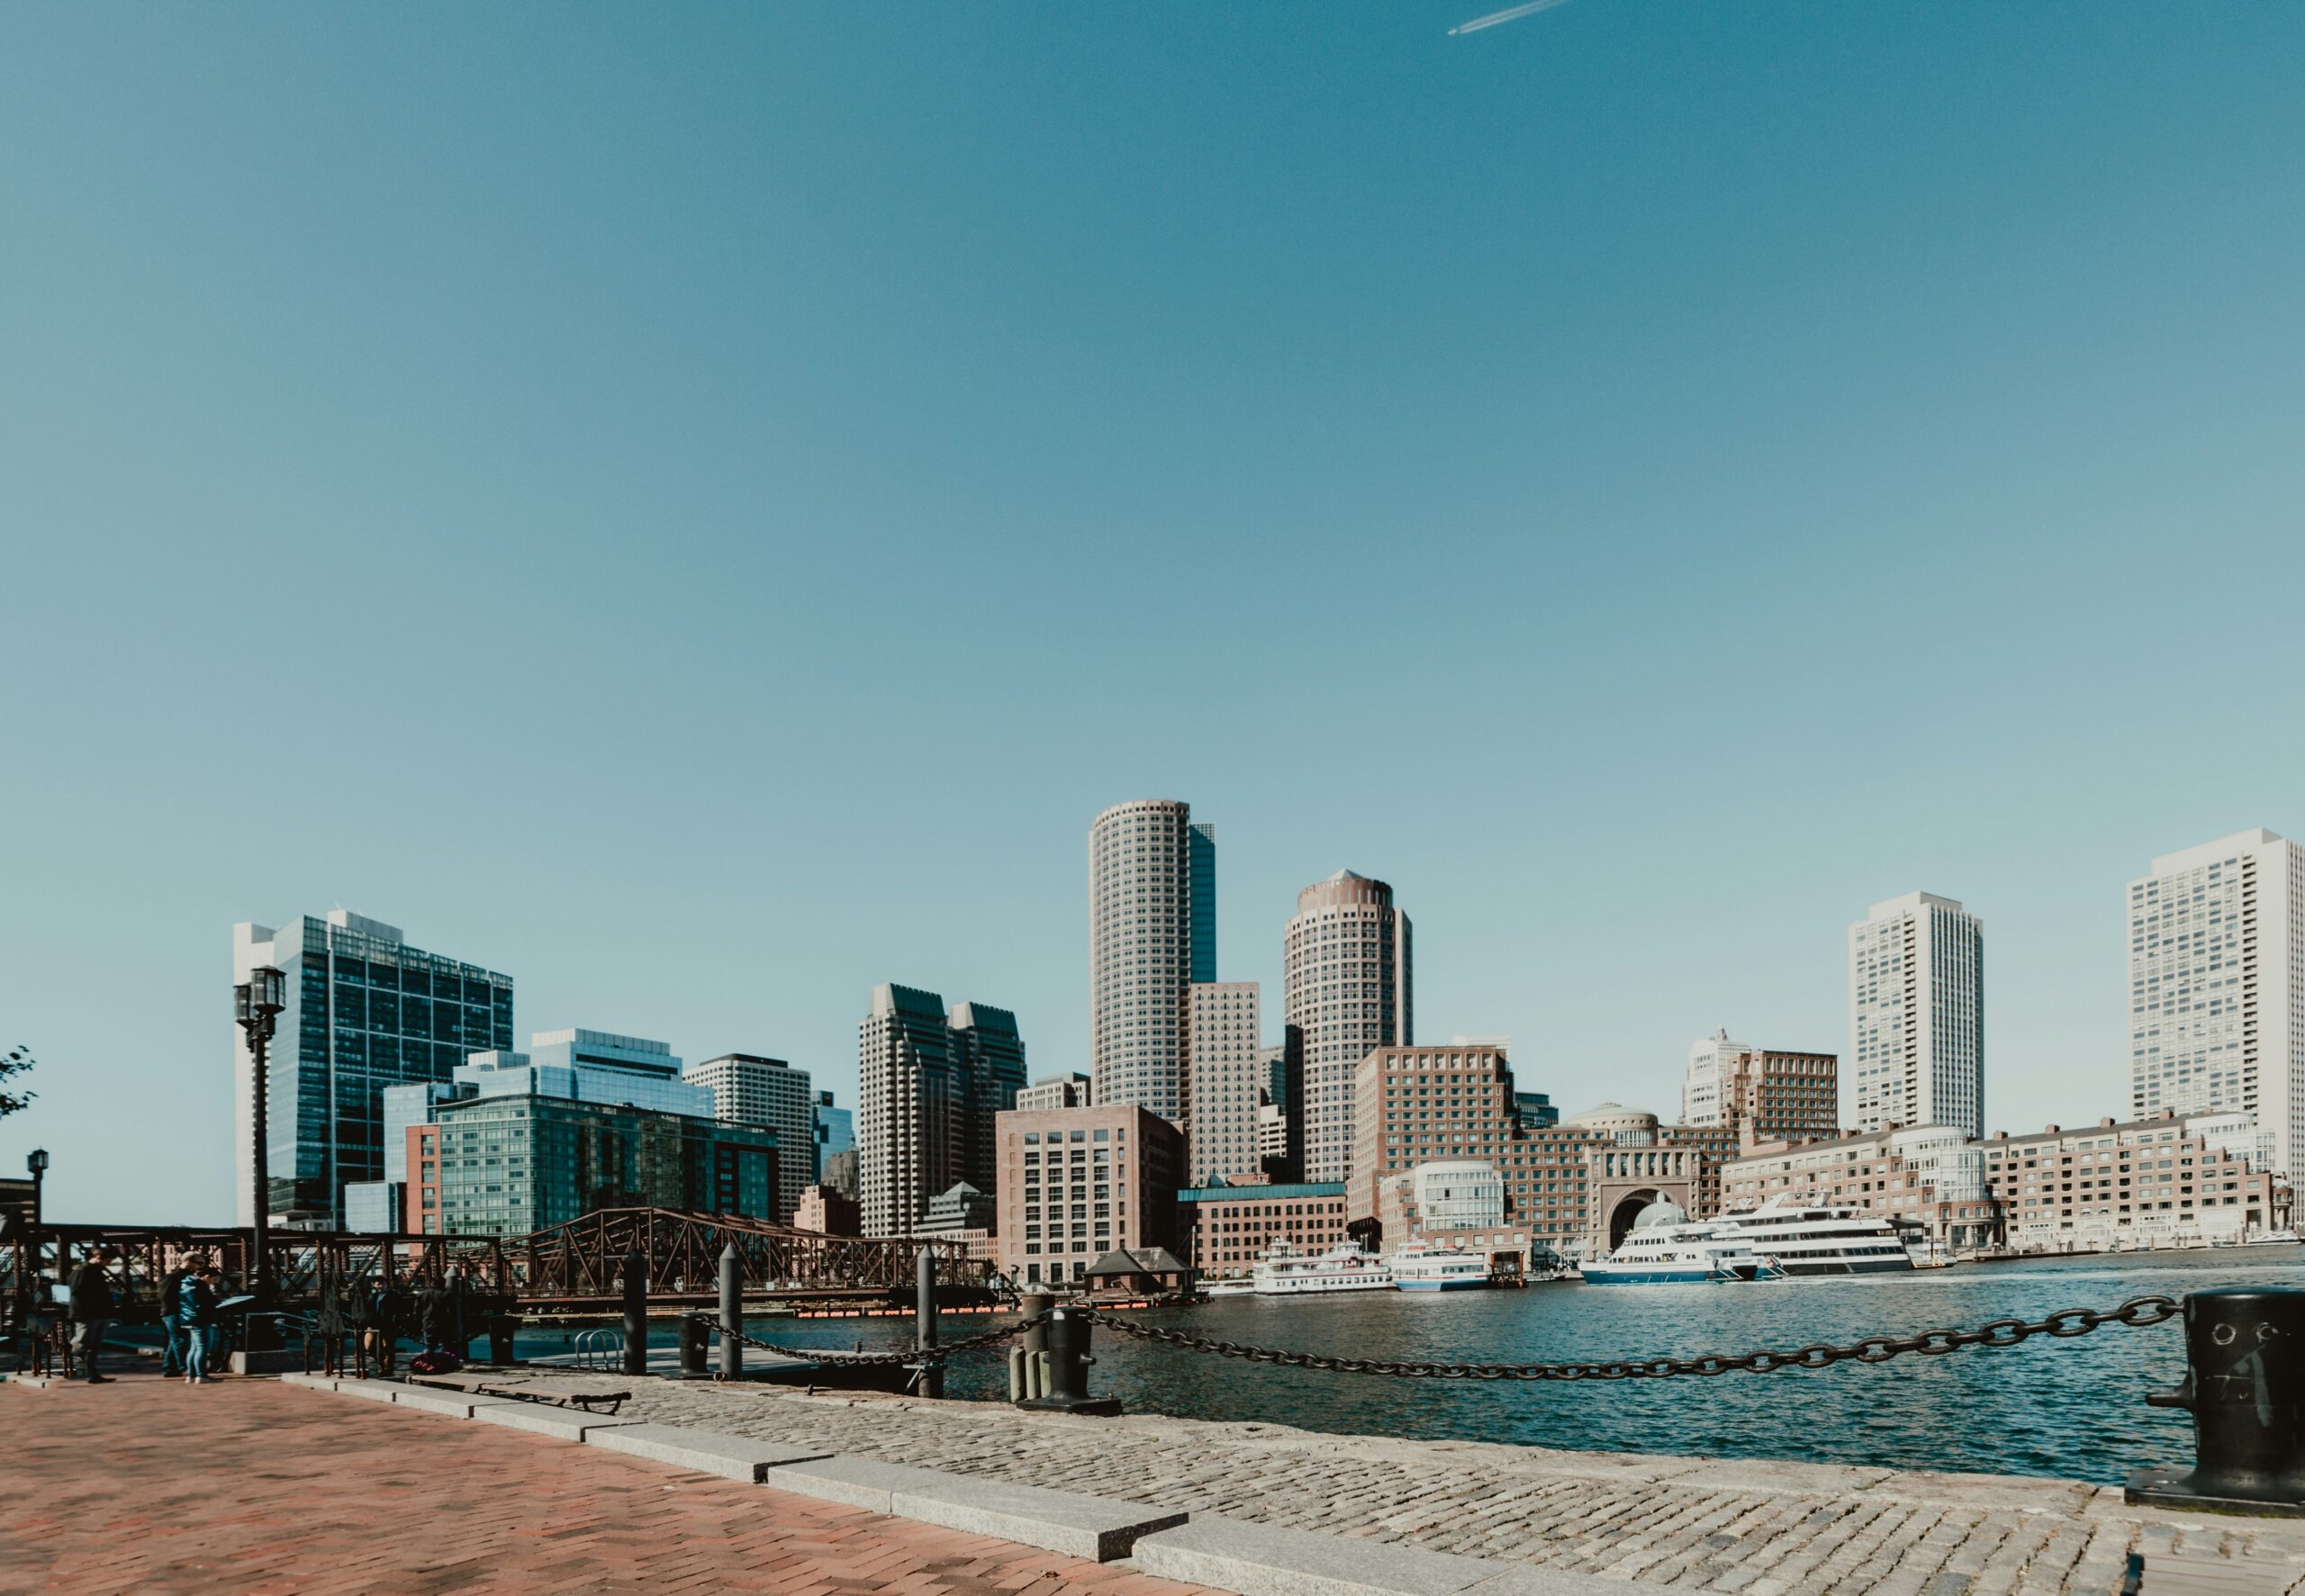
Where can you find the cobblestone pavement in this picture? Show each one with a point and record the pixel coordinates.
(252, 1487)
(1737, 1527)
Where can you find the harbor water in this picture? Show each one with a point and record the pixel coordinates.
(2071, 1409)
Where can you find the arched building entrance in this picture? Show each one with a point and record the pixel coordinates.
(1626, 1209)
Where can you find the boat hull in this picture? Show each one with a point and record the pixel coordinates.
(1638, 1275)
(1304, 1288)
(1476, 1283)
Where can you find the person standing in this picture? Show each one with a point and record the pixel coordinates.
(196, 1311)
(93, 1307)
(171, 1323)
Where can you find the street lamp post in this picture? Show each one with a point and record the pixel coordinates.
(36, 1165)
(255, 1004)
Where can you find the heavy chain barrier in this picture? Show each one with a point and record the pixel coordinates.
(898, 1356)
(2065, 1324)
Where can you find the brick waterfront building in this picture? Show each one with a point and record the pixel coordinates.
(1223, 1229)
(1931, 1177)
(2168, 1177)
(1076, 1183)
(1568, 1189)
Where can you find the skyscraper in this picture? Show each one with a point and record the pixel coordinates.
(2217, 988)
(991, 1059)
(749, 1090)
(928, 1089)
(1223, 1076)
(365, 1012)
(1346, 964)
(836, 1131)
(1152, 932)
(1916, 1014)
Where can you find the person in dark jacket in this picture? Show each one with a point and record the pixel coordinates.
(386, 1312)
(433, 1311)
(196, 1311)
(171, 1323)
(92, 1309)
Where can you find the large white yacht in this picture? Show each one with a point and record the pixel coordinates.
(1666, 1248)
(1819, 1240)
(1285, 1271)
(1419, 1267)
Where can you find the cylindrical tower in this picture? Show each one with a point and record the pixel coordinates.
(1145, 860)
(1346, 963)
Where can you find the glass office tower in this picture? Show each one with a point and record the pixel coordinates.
(364, 1011)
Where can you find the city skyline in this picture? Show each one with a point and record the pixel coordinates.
(1498, 466)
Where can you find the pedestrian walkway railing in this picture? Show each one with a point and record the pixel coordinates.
(600, 1349)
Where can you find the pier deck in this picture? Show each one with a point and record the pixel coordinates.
(1738, 1526)
(258, 1486)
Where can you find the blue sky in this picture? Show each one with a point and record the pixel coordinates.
(698, 509)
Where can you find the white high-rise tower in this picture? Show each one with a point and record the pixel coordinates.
(1916, 1014)
(1152, 933)
(2217, 988)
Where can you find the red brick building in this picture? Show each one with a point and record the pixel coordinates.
(1072, 1184)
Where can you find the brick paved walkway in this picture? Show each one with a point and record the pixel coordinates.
(251, 1486)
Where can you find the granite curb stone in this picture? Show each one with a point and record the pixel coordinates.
(1098, 1528)
(374, 1391)
(456, 1404)
(854, 1482)
(1263, 1560)
(731, 1457)
(567, 1424)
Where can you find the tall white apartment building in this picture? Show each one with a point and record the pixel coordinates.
(2217, 988)
(1701, 1087)
(1916, 1014)
(1222, 1073)
(1346, 962)
(748, 1089)
(1151, 932)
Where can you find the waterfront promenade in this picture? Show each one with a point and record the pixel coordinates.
(265, 1489)
(269, 1486)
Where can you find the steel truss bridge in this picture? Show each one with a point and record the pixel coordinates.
(576, 1267)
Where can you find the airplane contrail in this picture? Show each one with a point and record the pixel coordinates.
(1507, 16)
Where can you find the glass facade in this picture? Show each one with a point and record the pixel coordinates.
(514, 1163)
(365, 1012)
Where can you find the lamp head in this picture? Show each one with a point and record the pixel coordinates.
(36, 1160)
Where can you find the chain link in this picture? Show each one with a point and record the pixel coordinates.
(1935, 1343)
(897, 1356)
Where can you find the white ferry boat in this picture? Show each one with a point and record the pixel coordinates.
(1665, 1248)
(1798, 1241)
(1419, 1267)
(1285, 1271)
(2272, 1239)
(1231, 1285)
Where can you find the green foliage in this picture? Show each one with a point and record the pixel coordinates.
(16, 1061)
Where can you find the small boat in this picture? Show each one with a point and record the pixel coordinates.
(2274, 1238)
(1419, 1267)
(1231, 1285)
(1284, 1272)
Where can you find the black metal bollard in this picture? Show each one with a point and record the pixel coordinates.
(924, 1323)
(2245, 1386)
(1069, 1331)
(692, 1334)
(732, 1312)
(636, 1313)
(500, 1325)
